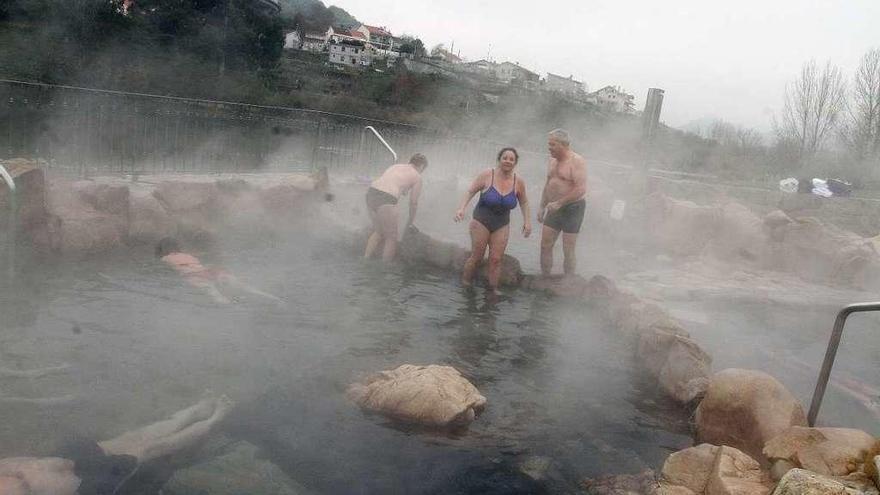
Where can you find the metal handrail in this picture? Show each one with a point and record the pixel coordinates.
(11, 227)
(831, 352)
(8, 178)
(385, 143)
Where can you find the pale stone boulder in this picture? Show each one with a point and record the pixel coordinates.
(740, 237)
(431, 395)
(78, 227)
(681, 367)
(688, 469)
(148, 220)
(827, 451)
(803, 482)
(735, 473)
(712, 470)
(681, 227)
(745, 409)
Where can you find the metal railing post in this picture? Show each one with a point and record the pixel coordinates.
(831, 352)
(11, 225)
(382, 140)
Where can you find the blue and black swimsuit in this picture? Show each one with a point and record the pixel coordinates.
(493, 209)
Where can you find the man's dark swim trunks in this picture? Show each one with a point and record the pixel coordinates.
(568, 218)
(377, 198)
(100, 473)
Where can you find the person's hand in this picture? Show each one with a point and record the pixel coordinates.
(553, 206)
(541, 212)
(459, 215)
(527, 229)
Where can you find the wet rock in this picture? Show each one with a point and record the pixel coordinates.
(741, 237)
(431, 395)
(644, 483)
(745, 409)
(776, 218)
(680, 366)
(873, 468)
(30, 187)
(803, 482)
(600, 289)
(107, 198)
(567, 286)
(682, 228)
(78, 227)
(632, 316)
(824, 253)
(148, 220)
(536, 467)
(713, 470)
(182, 196)
(236, 472)
(735, 473)
(688, 470)
(827, 451)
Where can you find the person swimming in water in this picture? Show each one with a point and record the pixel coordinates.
(217, 283)
(382, 197)
(500, 190)
(104, 467)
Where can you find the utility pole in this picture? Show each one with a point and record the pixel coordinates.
(650, 124)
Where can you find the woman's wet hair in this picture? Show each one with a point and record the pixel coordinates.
(419, 160)
(167, 246)
(512, 150)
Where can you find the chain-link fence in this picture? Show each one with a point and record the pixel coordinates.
(96, 132)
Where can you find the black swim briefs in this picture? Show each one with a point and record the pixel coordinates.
(568, 218)
(377, 198)
(99, 473)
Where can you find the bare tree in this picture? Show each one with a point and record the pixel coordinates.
(812, 108)
(861, 132)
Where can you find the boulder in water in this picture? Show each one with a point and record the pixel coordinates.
(432, 395)
(803, 482)
(827, 451)
(745, 409)
(680, 366)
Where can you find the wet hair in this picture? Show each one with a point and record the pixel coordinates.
(167, 246)
(561, 136)
(508, 148)
(419, 160)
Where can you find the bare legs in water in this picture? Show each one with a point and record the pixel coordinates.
(54, 475)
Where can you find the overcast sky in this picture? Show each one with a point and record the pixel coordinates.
(714, 59)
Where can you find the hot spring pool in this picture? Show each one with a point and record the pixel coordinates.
(141, 344)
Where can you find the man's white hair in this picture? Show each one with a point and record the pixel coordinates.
(561, 136)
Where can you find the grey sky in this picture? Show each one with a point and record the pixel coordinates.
(720, 59)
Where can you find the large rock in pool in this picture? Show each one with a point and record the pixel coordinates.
(712, 470)
(828, 451)
(428, 395)
(745, 409)
(803, 482)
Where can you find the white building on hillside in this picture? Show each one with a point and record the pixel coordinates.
(352, 53)
(613, 99)
(314, 42)
(567, 86)
(292, 41)
(508, 72)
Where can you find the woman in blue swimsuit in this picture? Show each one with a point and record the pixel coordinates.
(500, 190)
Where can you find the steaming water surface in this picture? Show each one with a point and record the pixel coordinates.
(141, 344)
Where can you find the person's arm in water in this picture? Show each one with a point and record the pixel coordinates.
(543, 209)
(414, 201)
(524, 207)
(579, 177)
(476, 186)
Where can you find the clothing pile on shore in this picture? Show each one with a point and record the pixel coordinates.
(825, 188)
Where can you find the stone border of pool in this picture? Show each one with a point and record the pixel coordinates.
(753, 430)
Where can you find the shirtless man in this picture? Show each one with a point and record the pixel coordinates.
(382, 197)
(562, 202)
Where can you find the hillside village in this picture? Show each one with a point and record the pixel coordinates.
(365, 47)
